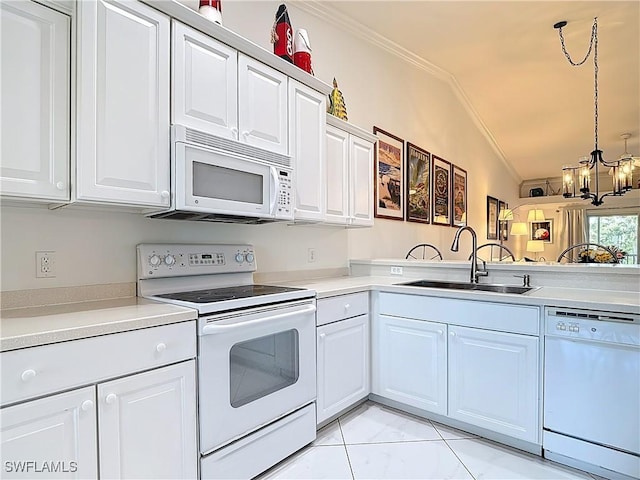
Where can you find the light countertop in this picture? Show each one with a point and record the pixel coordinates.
(28, 327)
(609, 300)
(33, 326)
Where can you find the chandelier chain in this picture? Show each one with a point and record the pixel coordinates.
(593, 46)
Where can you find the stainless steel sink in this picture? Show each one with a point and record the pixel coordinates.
(468, 286)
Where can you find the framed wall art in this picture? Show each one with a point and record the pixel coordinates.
(441, 211)
(417, 184)
(541, 231)
(492, 218)
(459, 189)
(389, 176)
(503, 227)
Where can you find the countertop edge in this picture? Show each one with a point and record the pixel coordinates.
(541, 296)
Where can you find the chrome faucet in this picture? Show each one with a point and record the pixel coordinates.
(475, 273)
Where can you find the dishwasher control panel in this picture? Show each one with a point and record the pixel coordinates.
(593, 325)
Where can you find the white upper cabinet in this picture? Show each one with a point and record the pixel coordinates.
(123, 104)
(361, 181)
(307, 125)
(262, 106)
(220, 91)
(337, 176)
(349, 167)
(35, 102)
(204, 83)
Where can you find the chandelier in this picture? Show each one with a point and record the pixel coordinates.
(579, 177)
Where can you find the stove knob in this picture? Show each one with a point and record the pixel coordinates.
(169, 260)
(249, 257)
(155, 260)
(239, 257)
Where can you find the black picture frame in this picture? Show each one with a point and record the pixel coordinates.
(441, 187)
(492, 218)
(459, 197)
(418, 185)
(503, 227)
(389, 176)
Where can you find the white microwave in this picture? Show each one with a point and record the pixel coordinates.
(221, 180)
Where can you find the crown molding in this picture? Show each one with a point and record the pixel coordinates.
(317, 9)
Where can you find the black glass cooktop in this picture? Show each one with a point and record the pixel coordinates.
(227, 293)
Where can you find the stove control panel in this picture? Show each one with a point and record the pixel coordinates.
(170, 260)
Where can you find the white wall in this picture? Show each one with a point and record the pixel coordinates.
(97, 247)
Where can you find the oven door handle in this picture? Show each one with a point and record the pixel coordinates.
(213, 328)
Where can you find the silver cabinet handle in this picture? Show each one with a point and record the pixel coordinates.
(87, 405)
(28, 375)
(111, 398)
(161, 347)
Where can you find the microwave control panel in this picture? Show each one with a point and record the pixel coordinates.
(283, 202)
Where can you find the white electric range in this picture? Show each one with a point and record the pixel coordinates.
(256, 353)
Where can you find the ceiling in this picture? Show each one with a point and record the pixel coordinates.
(507, 59)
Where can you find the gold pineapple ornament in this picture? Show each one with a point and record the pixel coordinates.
(336, 107)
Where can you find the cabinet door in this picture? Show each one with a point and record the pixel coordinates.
(343, 365)
(410, 365)
(147, 424)
(204, 83)
(34, 160)
(361, 181)
(337, 184)
(493, 381)
(307, 149)
(123, 104)
(262, 106)
(57, 431)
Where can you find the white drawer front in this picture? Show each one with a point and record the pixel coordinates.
(36, 371)
(340, 307)
(504, 317)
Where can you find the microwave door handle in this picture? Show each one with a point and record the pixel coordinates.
(213, 328)
(275, 189)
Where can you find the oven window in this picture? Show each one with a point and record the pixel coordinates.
(222, 183)
(262, 366)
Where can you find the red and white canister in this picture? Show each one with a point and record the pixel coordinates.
(302, 51)
(211, 9)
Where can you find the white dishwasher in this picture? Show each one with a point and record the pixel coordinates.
(592, 390)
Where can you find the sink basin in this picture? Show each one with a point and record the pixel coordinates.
(468, 286)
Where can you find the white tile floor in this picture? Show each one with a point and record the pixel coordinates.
(376, 442)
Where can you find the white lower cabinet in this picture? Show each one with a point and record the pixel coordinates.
(51, 436)
(410, 362)
(343, 365)
(147, 424)
(343, 361)
(493, 381)
(131, 416)
(465, 366)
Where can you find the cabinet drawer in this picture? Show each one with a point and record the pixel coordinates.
(340, 307)
(488, 315)
(36, 371)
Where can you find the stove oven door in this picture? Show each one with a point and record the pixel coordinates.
(254, 367)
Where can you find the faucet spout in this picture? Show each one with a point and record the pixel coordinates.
(475, 273)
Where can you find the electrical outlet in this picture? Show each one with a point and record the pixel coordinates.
(45, 264)
(396, 270)
(312, 255)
